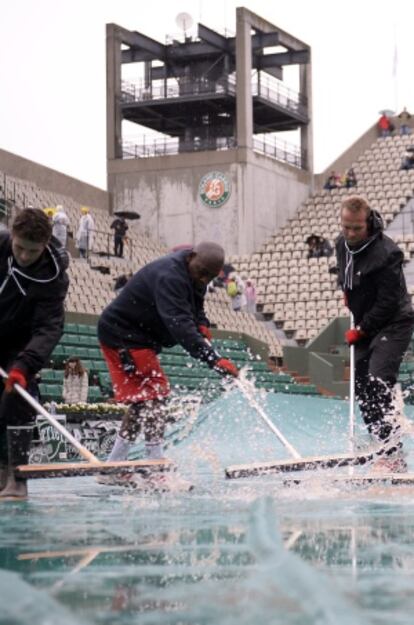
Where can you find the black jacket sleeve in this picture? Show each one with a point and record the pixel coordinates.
(173, 301)
(387, 299)
(47, 327)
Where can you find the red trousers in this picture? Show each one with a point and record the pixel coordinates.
(147, 382)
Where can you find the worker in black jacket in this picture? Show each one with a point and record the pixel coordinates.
(33, 285)
(160, 306)
(371, 275)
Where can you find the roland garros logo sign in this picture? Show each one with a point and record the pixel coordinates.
(214, 189)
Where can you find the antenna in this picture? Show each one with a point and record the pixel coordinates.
(184, 21)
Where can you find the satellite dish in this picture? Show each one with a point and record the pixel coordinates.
(184, 21)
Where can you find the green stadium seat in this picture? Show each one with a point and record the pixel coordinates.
(98, 366)
(87, 364)
(50, 392)
(79, 352)
(190, 383)
(283, 378)
(60, 354)
(177, 349)
(94, 353)
(47, 376)
(236, 355)
(87, 329)
(172, 359)
(84, 341)
(95, 394)
(70, 328)
(305, 389)
(70, 339)
(106, 382)
(231, 344)
(258, 365)
(407, 367)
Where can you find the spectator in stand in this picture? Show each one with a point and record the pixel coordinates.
(318, 247)
(75, 382)
(60, 223)
(84, 235)
(121, 281)
(120, 227)
(384, 126)
(350, 178)
(404, 118)
(408, 161)
(49, 212)
(235, 290)
(250, 293)
(332, 182)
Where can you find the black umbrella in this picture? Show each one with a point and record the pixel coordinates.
(127, 214)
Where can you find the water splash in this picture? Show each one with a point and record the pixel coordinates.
(20, 603)
(280, 572)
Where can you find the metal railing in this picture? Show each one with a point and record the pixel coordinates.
(276, 91)
(173, 88)
(7, 199)
(148, 147)
(107, 249)
(263, 86)
(280, 150)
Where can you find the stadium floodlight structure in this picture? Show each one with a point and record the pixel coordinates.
(208, 93)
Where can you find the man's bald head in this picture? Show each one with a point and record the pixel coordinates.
(206, 261)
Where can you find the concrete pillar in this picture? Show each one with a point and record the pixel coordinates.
(113, 93)
(306, 134)
(244, 104)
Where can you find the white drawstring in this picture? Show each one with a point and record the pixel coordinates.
(12, 271)
(349, 267)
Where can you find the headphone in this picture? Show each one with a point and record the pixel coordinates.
(373, 219)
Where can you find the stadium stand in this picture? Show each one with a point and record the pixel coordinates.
(184, 372)
(300, 294)
(90, 295)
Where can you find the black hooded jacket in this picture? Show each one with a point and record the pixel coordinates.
(371, 275)
(31, 305)
(160, 306)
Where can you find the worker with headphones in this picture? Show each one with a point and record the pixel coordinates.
(370, 272)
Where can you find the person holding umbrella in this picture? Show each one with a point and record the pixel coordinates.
(372, 279)
(120, 228)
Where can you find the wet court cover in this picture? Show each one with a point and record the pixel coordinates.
(231, 551)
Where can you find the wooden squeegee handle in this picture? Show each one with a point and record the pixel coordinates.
(85, 453)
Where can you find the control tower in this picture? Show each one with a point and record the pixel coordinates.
(212, 163)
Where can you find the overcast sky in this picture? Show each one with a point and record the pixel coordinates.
(52, 68)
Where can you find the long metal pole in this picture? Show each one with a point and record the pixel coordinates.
(252, 401)
(352, 392)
